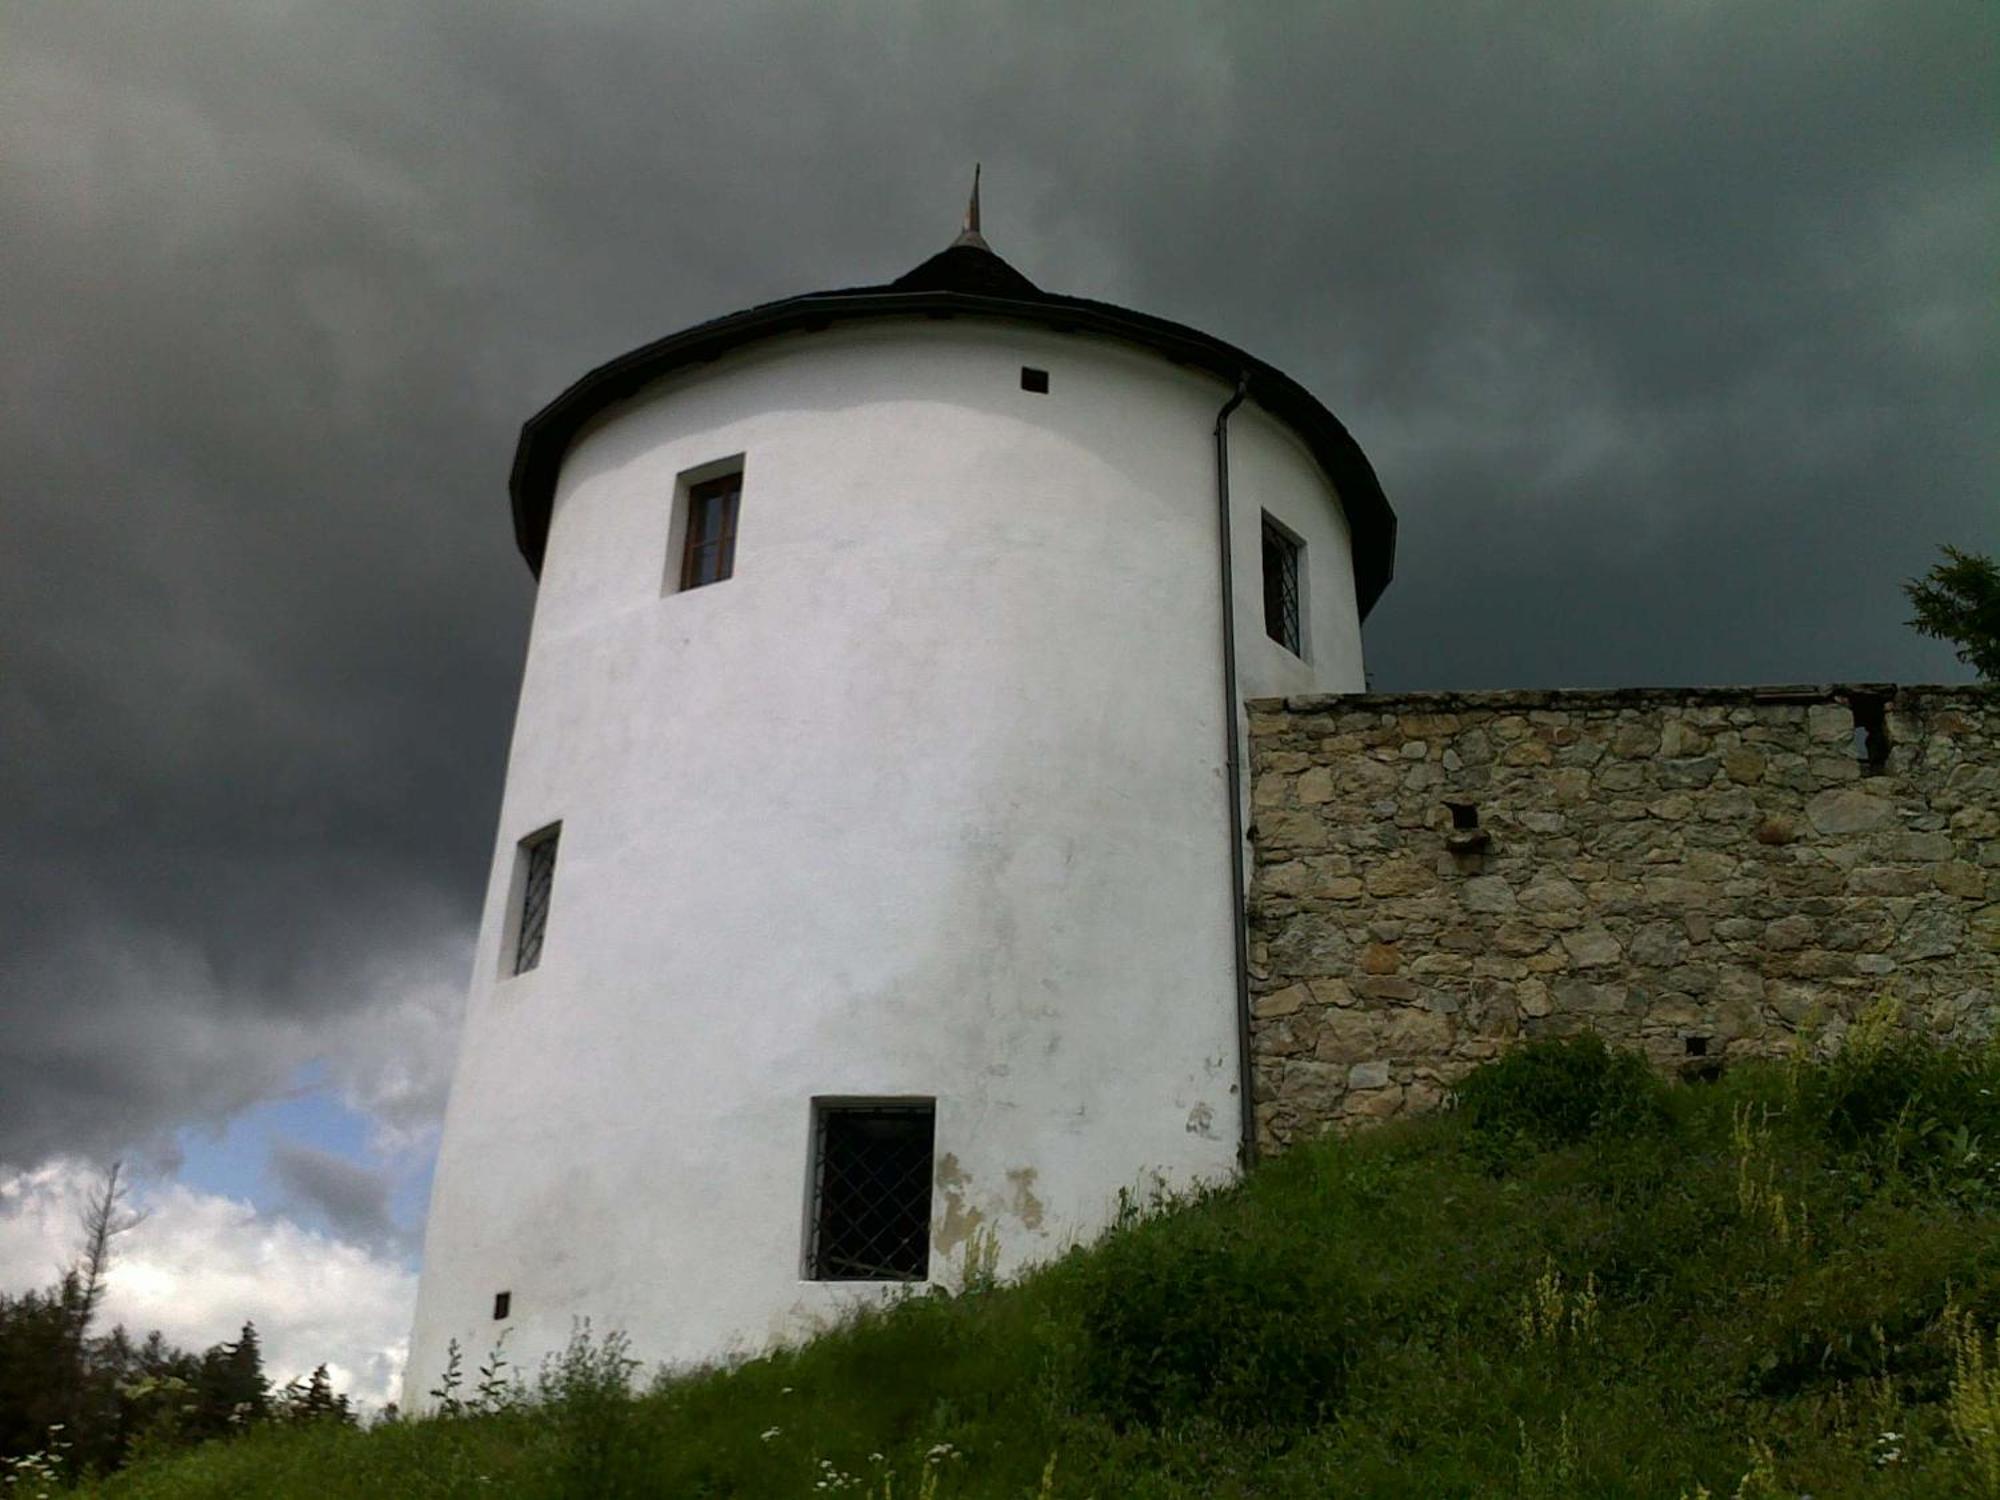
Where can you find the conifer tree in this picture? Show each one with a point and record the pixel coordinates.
(1959, 601)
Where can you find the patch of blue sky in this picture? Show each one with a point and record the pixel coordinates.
(233, 1159)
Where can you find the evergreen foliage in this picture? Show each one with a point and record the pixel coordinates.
(77, 1403)
(1959, 601)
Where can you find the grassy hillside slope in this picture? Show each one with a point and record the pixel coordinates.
(1580, 1282)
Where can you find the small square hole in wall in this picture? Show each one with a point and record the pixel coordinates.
(1034, 380)
(503, 1303)
(1697, 1046)
(1466, 838)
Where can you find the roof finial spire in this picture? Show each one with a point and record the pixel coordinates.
(970, 234)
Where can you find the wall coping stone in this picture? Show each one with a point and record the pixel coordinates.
(1634, 697)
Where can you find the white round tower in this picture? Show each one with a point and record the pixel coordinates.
(863, 889)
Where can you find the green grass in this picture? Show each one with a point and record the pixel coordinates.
(1579, 1283)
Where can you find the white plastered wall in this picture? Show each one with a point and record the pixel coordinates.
(926, 800)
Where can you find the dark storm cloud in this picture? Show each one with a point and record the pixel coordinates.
(353, 1200)
(1669, 330)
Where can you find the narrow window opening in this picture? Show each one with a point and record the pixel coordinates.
(1464, 815)
(503, 1303)
(708, 548)
(871, 1201)
(1871, 732)
(1281, 587)
(1697, 1046)
(536, 863)
(1034, 380)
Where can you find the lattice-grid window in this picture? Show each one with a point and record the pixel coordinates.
(538, 878)
(708, 555)
(1281, 587)
(871, 1203)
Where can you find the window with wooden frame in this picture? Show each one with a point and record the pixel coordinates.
(1282, 552)
(708, 546)
(870, 1217)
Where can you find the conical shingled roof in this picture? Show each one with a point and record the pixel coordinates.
(964, 267)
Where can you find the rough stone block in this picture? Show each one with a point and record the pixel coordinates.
(1551, 893)
(1284, 1002)
(1387, 987)
(1887, 880)
(1743, 765)
(1412, 1034)
(1592, 948)
(1636, 741)
(1846, 810)
(1400, 876)
(1380, 958)
(1374, 1103)
(1788, 934)
(1680, 739)
(1519, 939)
(1330, 991)
(1487, 894)
(1918, 847)
(1368, 1075)
(1960, 879)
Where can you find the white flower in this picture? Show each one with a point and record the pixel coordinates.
(770, 1432)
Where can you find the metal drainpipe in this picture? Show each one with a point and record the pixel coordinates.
(1233, 779)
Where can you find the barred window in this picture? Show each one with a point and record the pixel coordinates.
(871, 1203)
(1281, 587)
(536, 864)
(708, 553)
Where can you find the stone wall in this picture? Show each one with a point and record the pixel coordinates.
(1699, 873)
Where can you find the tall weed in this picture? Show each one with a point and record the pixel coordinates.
(1902, 1111)
(1973, 1403)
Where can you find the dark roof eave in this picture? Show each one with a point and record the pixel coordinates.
(546, 436)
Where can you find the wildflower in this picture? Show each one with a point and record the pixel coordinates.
(769, 1432)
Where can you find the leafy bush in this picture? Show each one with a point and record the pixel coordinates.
(1898, 1107)
(1555, 1093)
(1198, 1317)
